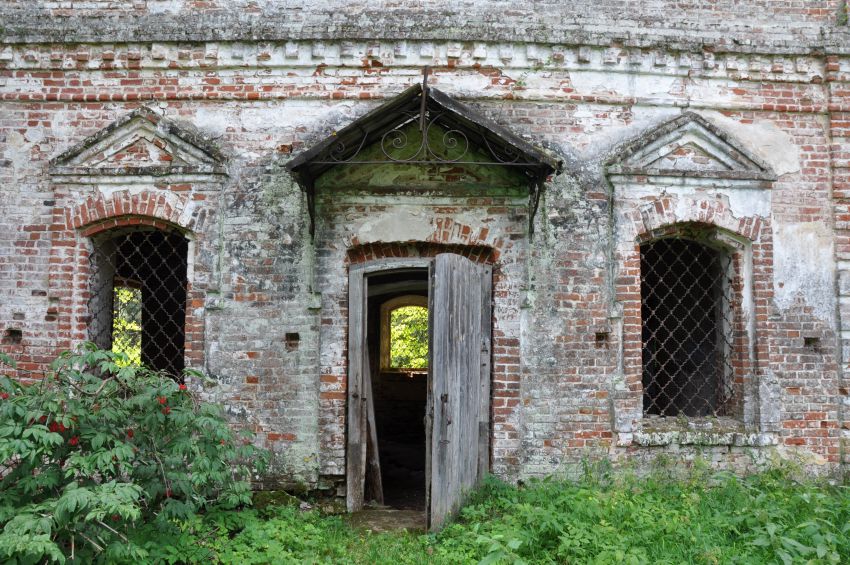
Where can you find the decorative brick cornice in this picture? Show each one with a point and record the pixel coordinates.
(614, 57)
(785, 26)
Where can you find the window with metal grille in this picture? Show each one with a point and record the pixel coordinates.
(687, 321)
(137, 304)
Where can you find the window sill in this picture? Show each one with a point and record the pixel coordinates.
(700, 431)
(402, 373)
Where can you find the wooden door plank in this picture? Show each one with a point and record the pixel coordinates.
(484, 382)
(458, 314)
(356, 445)
(374, 485)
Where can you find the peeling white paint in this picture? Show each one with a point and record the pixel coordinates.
(18, 150)
(764, 138)
(740, 201)
(405, 223)
(803, 267)
(643, 119)
(617, 84)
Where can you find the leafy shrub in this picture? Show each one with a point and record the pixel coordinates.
(98, 448)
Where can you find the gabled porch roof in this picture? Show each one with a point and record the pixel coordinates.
(471, 136)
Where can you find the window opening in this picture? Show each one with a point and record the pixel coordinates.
(409, 337)
(686, 313)
(404, 334)
(137, 303)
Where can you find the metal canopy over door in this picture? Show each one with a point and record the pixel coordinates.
(459, 383)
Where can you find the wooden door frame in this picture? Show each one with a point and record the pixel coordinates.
(358, 370)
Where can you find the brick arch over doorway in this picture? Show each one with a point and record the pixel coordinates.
(374, 251)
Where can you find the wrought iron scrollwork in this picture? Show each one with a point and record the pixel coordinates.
(398, 147)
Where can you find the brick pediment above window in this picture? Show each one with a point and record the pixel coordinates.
(688, 146)
(141, 143)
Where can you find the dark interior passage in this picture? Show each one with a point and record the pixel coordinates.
(399, 415)
(400, 399)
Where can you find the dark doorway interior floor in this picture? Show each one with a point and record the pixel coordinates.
(401, 440)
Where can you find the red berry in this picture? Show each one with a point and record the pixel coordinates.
(166, 410)
(43, 419)
(115, 517)
(168, 493)
(5, 395)
(221, 442)
(162, 400)
(130, 433)
(74, 440)
(182, 387)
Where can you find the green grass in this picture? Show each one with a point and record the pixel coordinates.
(768, 518)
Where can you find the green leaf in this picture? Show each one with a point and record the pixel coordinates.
(6, 360)
(72, 501)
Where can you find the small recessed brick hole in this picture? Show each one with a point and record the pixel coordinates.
(19, 316)
(812, 343)
(601, 339)
(292, 339)
(13, 336)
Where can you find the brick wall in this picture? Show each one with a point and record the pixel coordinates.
(267, 306)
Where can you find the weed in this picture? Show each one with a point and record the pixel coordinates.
(704, 518)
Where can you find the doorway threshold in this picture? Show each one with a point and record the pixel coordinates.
(386, 519)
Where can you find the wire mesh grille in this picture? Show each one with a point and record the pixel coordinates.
(137, 303)
(687, 318)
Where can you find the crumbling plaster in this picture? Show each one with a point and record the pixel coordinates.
(579, 79)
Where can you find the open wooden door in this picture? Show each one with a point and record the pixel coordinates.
(458, 410)
(358, 368)
(362, 440)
